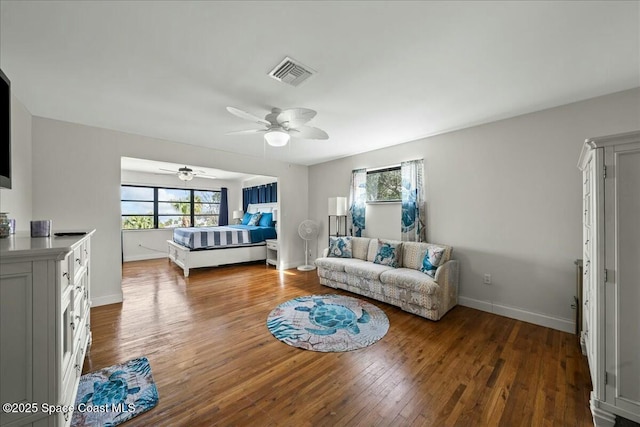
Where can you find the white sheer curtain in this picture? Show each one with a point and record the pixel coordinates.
(357, 201)
(413, 221)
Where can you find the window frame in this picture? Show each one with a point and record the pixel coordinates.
(382, 170)
(156, 203)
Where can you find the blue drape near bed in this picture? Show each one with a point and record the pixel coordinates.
(267, 193)
(223, 216)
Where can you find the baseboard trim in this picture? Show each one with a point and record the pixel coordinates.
(559, 323)
(144, 257)
(106, 300)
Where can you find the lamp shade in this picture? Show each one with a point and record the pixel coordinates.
(276, 137)
(337, 206)
(238, 214)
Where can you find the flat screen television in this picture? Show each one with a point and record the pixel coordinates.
(5, 131)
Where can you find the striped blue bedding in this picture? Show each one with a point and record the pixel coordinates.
(222, 236)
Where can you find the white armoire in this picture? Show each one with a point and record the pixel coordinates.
(610, 334)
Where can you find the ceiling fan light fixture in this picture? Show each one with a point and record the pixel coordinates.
(276, 137)
(185, 174)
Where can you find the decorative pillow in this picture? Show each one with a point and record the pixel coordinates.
(255, 219)
(388, 254)
(340, 247)
(431, 260)
(246, 218)
(266, 220)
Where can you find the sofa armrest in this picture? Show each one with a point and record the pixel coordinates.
(447, 279)
(325, 252)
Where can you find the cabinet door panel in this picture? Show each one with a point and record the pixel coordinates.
(16, 352)
(628, 273)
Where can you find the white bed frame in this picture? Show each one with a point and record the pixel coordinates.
(188, 259)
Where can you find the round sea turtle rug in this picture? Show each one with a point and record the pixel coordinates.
(328, 323)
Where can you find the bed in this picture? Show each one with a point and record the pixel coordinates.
(196, 247)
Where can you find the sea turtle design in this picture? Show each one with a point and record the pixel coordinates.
(112, 391)
(333, 317)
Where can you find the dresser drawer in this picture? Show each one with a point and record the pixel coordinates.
(79, 259)
(64, 273)
(272, 245)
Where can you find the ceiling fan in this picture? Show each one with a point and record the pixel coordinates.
(187, 174)
(281, 125)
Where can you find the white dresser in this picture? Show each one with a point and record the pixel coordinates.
(44, 326)
(611, 267)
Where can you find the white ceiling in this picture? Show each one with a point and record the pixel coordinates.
(388, 72)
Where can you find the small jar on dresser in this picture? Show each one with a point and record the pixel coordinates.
(44, 307)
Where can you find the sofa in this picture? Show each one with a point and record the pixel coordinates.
(404, 284)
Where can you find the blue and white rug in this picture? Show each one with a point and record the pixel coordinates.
(115, 394)
(328, 323)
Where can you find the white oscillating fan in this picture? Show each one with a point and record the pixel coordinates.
(308, 230)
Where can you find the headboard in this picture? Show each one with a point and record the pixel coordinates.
(265, 207)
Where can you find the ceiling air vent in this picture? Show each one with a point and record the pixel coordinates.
(291, 72)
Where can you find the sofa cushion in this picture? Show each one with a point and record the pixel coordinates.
(389, 253)
(431, 260)
(360, 247)
(413, 254)
(340, 247)
(409, 278)
(366, 270)
(337, 264)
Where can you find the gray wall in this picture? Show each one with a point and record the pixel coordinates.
(506, 195)
(76, 183)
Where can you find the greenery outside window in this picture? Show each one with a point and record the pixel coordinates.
(144, 207)
(384, 185)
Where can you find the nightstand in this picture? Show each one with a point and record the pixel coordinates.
(273, 253)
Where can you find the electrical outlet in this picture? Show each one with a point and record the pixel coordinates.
(487, 279)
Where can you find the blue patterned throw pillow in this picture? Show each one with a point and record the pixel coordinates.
(388, 254)
(255, 219)
(340, 247)
(432, 260)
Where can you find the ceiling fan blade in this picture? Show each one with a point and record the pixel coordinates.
(247, 116)
(168, 170)
(308, 132)
(295, 117)
(206, 176)
(240, 132)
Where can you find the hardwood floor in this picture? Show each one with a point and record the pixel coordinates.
(215, 362)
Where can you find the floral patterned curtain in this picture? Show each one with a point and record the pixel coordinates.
(413, 221)
(357, 201)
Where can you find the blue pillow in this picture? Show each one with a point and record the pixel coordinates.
(388, 254)
(340, 247)
(246, 218)
(255, 218)
(432, 260)
(266, 220)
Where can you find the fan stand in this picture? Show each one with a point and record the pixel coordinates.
(306, 266)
